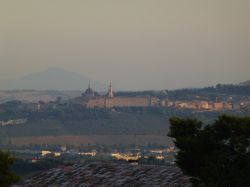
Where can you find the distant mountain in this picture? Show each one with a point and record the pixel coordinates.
(51, 79)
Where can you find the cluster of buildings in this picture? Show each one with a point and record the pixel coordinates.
(158, 154)
(92, 99)
(133, 155)
(13, 122)
(244, 105)
(202, 105)
(45, 153)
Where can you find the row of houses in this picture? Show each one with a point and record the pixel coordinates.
(198, 105)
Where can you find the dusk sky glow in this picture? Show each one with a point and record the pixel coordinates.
(136, 44)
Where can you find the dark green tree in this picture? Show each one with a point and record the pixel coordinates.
(7, 177)
(215, 155)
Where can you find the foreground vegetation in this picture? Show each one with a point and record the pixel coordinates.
(7, 177)
(215, 155)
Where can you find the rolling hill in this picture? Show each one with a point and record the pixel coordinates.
(51, 79)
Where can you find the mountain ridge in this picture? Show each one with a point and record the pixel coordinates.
(51, 79)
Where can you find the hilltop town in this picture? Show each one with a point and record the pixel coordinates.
(219, 98)
(92, 99)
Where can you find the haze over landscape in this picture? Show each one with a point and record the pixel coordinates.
(137, 45)
(124, 93)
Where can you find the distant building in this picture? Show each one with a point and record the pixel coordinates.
(14, 122)
(110, 92)
(228, 106)
(204, 105)
(218, 106)
(92, 100)
(45, 152)
(89, 92)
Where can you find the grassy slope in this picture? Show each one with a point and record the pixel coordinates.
(149, 126)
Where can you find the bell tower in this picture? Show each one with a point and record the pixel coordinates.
(110, 91)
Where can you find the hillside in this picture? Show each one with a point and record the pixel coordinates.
(117, 129)
(35, 96)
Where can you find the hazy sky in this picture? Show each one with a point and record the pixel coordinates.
(136, 44)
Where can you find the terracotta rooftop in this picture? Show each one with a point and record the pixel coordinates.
(109, 174)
